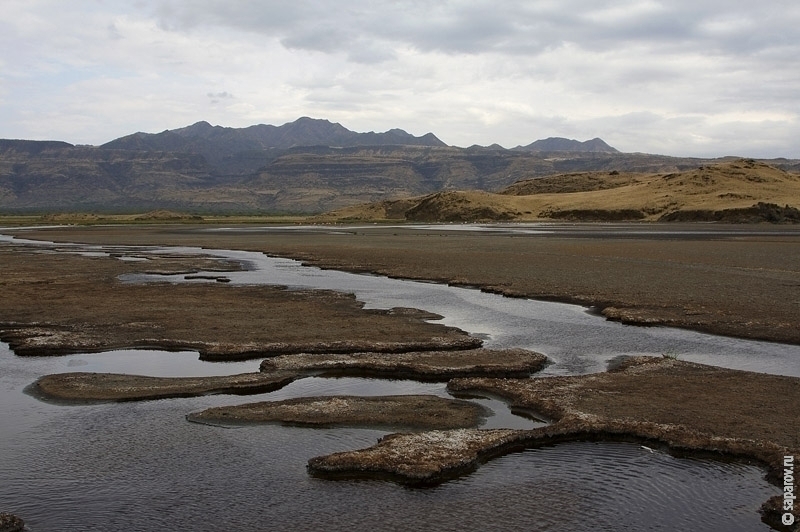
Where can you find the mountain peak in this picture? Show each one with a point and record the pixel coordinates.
(596, 145)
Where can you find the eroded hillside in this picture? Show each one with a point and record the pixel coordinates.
(744, 190)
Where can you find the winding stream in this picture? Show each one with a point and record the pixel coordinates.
(141, 466)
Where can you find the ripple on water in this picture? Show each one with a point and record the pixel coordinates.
(132, 467)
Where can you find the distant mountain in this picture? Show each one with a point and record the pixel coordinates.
(595, 145)
(218, 144)
(31, 147)
(304, 166)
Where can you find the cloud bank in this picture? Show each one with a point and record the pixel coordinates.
(706, 78)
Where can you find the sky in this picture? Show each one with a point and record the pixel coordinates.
(705, 78)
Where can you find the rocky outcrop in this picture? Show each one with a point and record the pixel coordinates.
(595, 215)
(458, 207)
(759, 213)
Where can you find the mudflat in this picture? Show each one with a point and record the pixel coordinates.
(741, 281)
(66, 303)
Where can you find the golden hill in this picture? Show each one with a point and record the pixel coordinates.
(739, 191)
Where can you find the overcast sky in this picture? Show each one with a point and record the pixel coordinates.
(678, 77)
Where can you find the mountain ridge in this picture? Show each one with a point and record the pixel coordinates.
(306, 166)
(554, 144)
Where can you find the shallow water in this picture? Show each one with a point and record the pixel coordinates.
(141, 466)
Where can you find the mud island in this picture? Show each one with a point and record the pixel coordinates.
(415, 412)
(46, 311)
(109, 387)
(420, 365)
(277, 372)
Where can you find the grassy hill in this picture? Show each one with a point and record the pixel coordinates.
(743, 190)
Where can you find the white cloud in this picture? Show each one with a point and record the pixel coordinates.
(679, 77)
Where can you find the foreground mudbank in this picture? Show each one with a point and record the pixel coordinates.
(278, 372)
(109, 387)
(414, 412)
(690, 408)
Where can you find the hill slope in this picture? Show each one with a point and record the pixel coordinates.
(739, 191)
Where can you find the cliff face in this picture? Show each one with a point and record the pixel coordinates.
(65, 177)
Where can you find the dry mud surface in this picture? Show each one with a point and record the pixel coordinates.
(420, 365)
(105, 387)
(277, 372)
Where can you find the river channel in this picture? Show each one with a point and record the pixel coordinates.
(141, 466)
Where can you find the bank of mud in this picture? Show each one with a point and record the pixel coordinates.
(433, 366)
(60, 303)
(398, 412)
(690, 409)
(739, 282)
(421, 365)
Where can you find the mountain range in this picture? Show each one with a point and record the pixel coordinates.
(305, 166)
